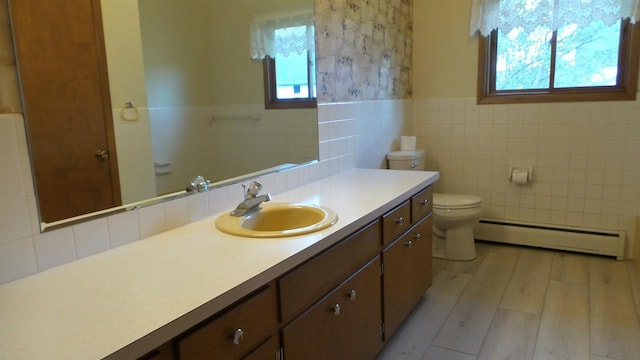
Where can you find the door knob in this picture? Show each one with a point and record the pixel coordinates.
(102, 154)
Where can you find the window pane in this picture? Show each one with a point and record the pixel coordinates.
(587, 56)
(523, 60)
(291, 76)
(292, 71)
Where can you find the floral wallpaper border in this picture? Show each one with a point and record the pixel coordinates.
(364, 49)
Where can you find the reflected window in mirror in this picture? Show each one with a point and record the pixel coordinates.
(290, 79)
(285, 42)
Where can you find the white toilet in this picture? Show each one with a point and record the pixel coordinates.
(454, 215)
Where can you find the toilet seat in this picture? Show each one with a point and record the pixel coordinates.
(455, 201)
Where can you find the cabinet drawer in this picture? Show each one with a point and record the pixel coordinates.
(421, 204)
(395, 222)
(255, 316)
(269, 350)
(303, 286)
(345, 324)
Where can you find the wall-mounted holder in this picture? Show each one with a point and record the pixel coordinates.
(521, 176)
(129, 112)
(254, 117)
(162, 168)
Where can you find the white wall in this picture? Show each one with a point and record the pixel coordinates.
(586, 156)
(127, 84)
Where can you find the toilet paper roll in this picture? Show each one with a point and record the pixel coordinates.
(407, 143)
(520, 176)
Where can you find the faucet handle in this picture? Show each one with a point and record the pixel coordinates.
(254, 189)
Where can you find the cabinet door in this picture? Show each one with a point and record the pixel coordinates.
(302, 287)
(267, 351)
(407, 274)
(343, 325)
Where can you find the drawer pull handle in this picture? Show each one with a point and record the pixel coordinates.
(336, 309)
(417, 236)
(238, 335)
(425, 202)
(352, 294)
(400, 221)
(408, 244)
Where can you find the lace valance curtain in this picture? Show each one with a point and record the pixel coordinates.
(488, 15)
(265, 42)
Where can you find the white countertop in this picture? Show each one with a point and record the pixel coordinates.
(129, 300)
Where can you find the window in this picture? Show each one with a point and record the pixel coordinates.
(285, 43)
(290, 80)
(579, 61)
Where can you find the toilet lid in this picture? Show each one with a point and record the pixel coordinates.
(405, 154)
(455, 201)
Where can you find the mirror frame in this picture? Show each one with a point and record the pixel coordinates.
(167, 197)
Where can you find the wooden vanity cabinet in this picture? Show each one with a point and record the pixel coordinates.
(407, 259)
(303, 286)
(345, 324)
(407, 274)
(236, 333)
(269, 350)
(341, 304)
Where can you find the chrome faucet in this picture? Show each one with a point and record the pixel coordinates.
(199, 184)
(252, 200)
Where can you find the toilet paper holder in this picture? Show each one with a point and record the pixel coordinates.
(518, 178)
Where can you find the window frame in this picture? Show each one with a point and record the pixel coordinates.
(271, 100)
(626, 88)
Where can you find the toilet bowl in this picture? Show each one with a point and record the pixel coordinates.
(454, 215)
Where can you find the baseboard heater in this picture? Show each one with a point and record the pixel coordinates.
(593, 241)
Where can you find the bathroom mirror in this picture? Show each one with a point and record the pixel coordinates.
(188, 100)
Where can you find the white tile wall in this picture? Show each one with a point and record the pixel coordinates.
(212, 145)
(351, 134)
(151, 220)
(54, 248)
(586, 158)
(91, 237)
(135, 156)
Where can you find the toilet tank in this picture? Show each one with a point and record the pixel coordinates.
(406, 160)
